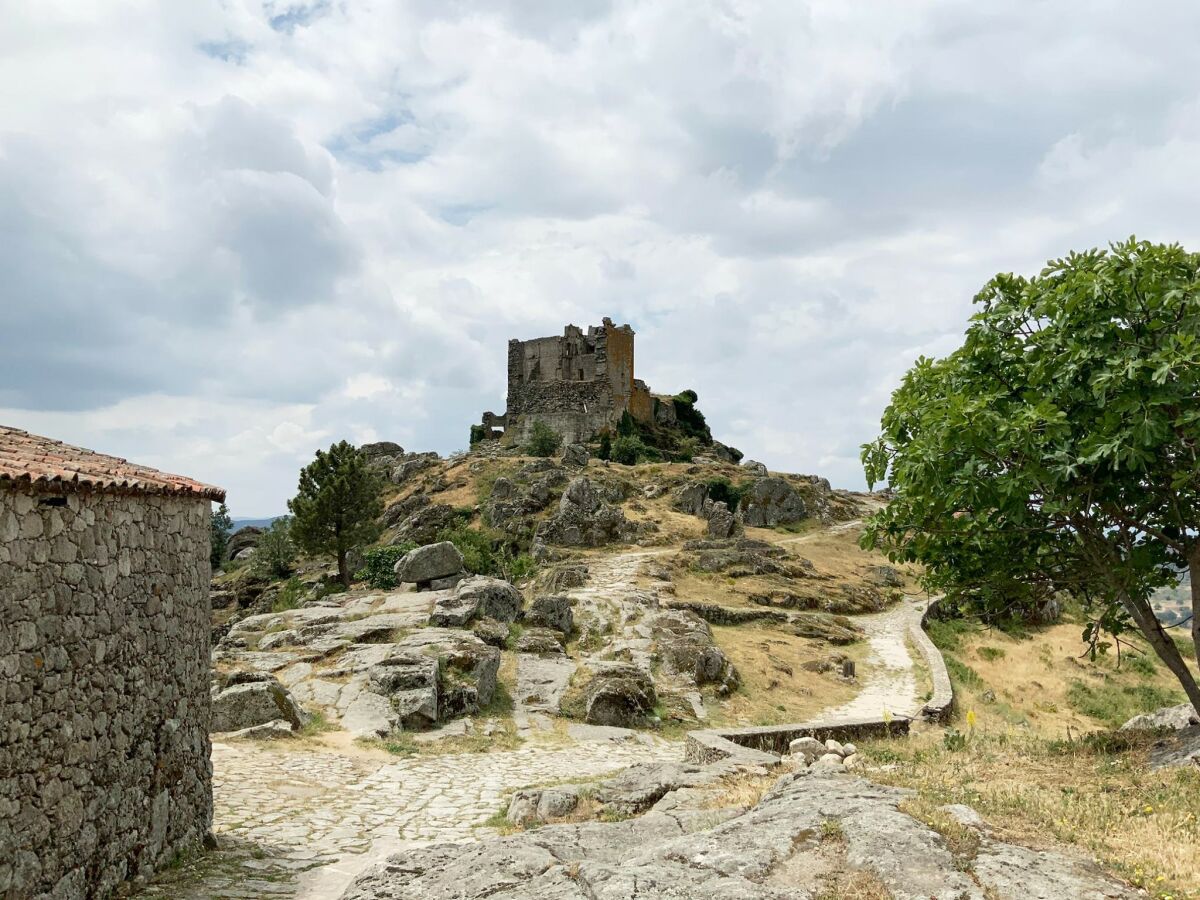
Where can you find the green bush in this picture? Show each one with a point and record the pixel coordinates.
(518, 567)
(478, 433)
(628, 450)
(289, 595)
(627, 427)
(379, 565)
(689, 419)
(1115, 704)
(274, 552)
(605, 451)
(543, 440)
(477, 548)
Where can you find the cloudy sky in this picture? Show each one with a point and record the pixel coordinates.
(232, 231)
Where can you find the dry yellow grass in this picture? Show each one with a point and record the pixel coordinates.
(853, 884)
(775, 687)
(1037, 787)
(744, 790)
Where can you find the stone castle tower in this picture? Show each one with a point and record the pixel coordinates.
(578, 384)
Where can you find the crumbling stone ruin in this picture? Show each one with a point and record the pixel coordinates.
(578, 384)
(104, 688)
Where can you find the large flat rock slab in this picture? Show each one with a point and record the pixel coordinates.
(779, 849)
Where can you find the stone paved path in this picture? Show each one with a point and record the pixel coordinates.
(303, 822)
(890, 684)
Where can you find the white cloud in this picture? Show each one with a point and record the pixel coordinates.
(233, 232)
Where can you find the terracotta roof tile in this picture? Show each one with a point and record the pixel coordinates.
(41, 461)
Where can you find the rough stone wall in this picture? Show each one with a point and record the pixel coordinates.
(619, 344)
(104, 702)
(577, 384)
(641, 402)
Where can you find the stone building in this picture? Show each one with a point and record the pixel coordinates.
(104, 659)
(578, 384)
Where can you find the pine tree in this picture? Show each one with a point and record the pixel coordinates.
(337, 505)
(220, 525)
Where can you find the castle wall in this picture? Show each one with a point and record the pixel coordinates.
(104, 688)
(575, 409)
(641, 402)
(619, 359)
(578, 384)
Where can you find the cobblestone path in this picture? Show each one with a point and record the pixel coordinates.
(303, 822)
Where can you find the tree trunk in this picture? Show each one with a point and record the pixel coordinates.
(1152, 631)
(1194, 575)
(343, 570)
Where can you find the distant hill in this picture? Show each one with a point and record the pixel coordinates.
(257, 523)
(1173, 605)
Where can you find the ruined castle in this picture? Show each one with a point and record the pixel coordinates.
(578, 384)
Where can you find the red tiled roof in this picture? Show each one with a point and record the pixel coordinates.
(43, 462)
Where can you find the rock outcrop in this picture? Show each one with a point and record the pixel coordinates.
(780, 849)
(585, 519)
(425, 524)
(432, 563)
(684, 644)
(768, 502)
(255, 701)
(477, 597)
(552, 612)
(619, 695)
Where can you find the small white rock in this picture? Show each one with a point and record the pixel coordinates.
(830, 759)
(852, 761)
(849, 749)
(833, 746)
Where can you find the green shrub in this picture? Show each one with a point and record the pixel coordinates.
(954, 740)
(946, 634)
(689, 419)
(1115, 704)
(274, 552)
(518, 567)
(627, 427)
(543, 440)
(1142, 664)
(379, 565)
(628, 450)
(289, 596)
(477, 548)
(961, 674)
(478, 433)
(991, 654)
(605, 451)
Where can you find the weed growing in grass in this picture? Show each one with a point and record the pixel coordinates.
(317, 724)
(1140, 663)
(991, 654)
(289, 597)
(831, 830)
(947, 634)
(961, 674)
